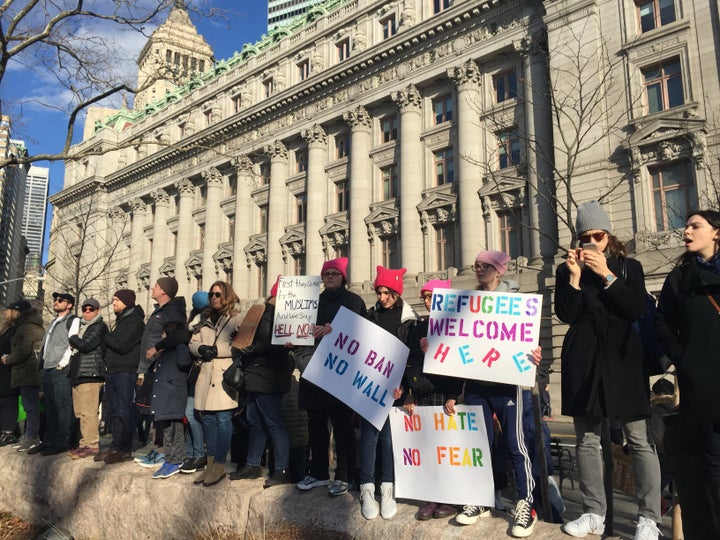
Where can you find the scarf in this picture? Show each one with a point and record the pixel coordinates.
(712, 264)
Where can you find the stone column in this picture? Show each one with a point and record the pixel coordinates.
(277, 208)
(160, 241)
(183, 244)
(409, 101)
(213, 223)
(118, 250)
(317, 203)
(360, 193)
(243, 224)
(137, 240)
(469, 153)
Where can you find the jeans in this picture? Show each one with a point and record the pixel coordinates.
(645, 462)
(195, 441)
(9, 412)
(264, 412)
(341, 418)
(217, 428)
(31, 403)
(370, 439)
(57, 391)
(120, 397)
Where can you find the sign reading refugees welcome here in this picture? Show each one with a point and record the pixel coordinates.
(442, 458)
(296, 310)
(483, 335)
(360, 364)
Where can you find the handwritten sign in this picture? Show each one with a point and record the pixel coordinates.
(483, 335)
(441, 458)
(360, 364)
(296, 310)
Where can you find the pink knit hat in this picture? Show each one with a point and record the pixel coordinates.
(340, 264)
(392, 279)
(497, 259)
(274, 288)
(436, 284)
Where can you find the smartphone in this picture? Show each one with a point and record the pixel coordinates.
(589, 246)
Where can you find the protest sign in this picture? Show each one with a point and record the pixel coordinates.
(483, 335)
(296, 310)
(442, 458)
(360, 364)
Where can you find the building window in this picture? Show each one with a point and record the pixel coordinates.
(231, 229)
(298, 265)
(655, 13)
(304, 69)
(389, 28)
(389, 182)
(674, 194)
(342, 145)
(232, 185)
(444, 168)
(508, 149)
(268, 87)
(663, 85)
(201, 66)
(510, 232)
(264, 173)
(343, 50)
(341, 195)
(505, 86)
(263, 218)
(442, 108)
(301, 207)
(389, 255)
(237, 103)
(200, 238)
(389, 128)
(262, 288)
(301, 161)
(207, 115)
(440, 5)
(445, 245)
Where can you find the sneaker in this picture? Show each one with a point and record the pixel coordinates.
(470, 514)
(151, 461)
(7, 438)
(247, 472)
(309, 482)
(525, 519)
(646, 529)
(388, 506)
(337, 488)
(279, 477)
(27, 444)
(189, 465)
(167, 470)
(584, 525)
(150, 455)
(35, 447)
(22, 440)
(369, 506)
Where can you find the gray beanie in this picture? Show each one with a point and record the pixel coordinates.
(590, 215)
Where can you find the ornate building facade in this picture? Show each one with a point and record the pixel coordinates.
(408, 133)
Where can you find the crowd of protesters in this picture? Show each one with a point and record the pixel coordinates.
(170, 368)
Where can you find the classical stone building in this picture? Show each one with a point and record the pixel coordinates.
(404, 133)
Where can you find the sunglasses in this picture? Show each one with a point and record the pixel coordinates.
(88, 309)
(59, 301)
(597, 236)
(215, 294)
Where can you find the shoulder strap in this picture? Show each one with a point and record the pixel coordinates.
(623, 269)
(714, 303)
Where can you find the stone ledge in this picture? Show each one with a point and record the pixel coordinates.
(97, 501)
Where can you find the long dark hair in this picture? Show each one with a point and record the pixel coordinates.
(229, 299)
(615, 246)
(713, 219)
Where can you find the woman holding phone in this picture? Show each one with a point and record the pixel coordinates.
(600, 292)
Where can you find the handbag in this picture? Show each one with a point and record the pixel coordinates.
(234, 377)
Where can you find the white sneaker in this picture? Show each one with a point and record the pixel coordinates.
(388, 506)
(646, 529)
(369, 508)
(310, 482)
(584, 525)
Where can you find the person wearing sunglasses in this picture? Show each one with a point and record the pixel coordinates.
(600, 292)
(87, 373)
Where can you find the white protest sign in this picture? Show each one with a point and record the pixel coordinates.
(441, 458)
(483, 335)
(296, 310)
(360, 364)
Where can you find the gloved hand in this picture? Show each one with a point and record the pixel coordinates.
(207, 352)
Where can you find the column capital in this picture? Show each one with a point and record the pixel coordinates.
(466, 76)
(533, 43)
(315, 136)
(409, 99)
(161, 197)
(138, 206)
(243, 164)
(185, 187)
(276, 151)
(212, 177)
(358, 119)
(117, 213)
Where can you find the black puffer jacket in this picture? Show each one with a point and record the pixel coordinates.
(6, 371)
(27, 339)
(87, 364)
(267, 367)
(122, 344)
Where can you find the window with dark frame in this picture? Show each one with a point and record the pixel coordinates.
(442, 109)
(341, 196)
(389, 128)
(445, 245)
(440, 5)
(389, 27)
(304, 69)
(663, 85)
(265, 173)
(342, 145)
(301, 161)
(389, 182)
(505, 86)
(237, 103)
(511, 239)
(263, 218)
(389, 247)
(444, 167)
(301, 207)
(654, 13)
(268, 87)
(508, 149)
(674, 193)
(343, 49)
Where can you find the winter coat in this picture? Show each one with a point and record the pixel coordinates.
(267, 367)
(210, 393)
(688, 327)
(310, 396)
(6, 371)
(87, 362)
(601, 352)
(174, 310)
(122, 343)
(28, 337)
(169, 374)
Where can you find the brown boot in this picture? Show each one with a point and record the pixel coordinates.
(201, 477)
(214, 473)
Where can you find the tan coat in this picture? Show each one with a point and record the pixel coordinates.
(210, 394)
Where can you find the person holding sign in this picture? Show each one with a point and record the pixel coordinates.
(322, 406)
(599, 293)
(393, 315)
(506, 402)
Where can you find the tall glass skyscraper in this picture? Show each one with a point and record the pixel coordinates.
(283, 11)
(33, 224)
